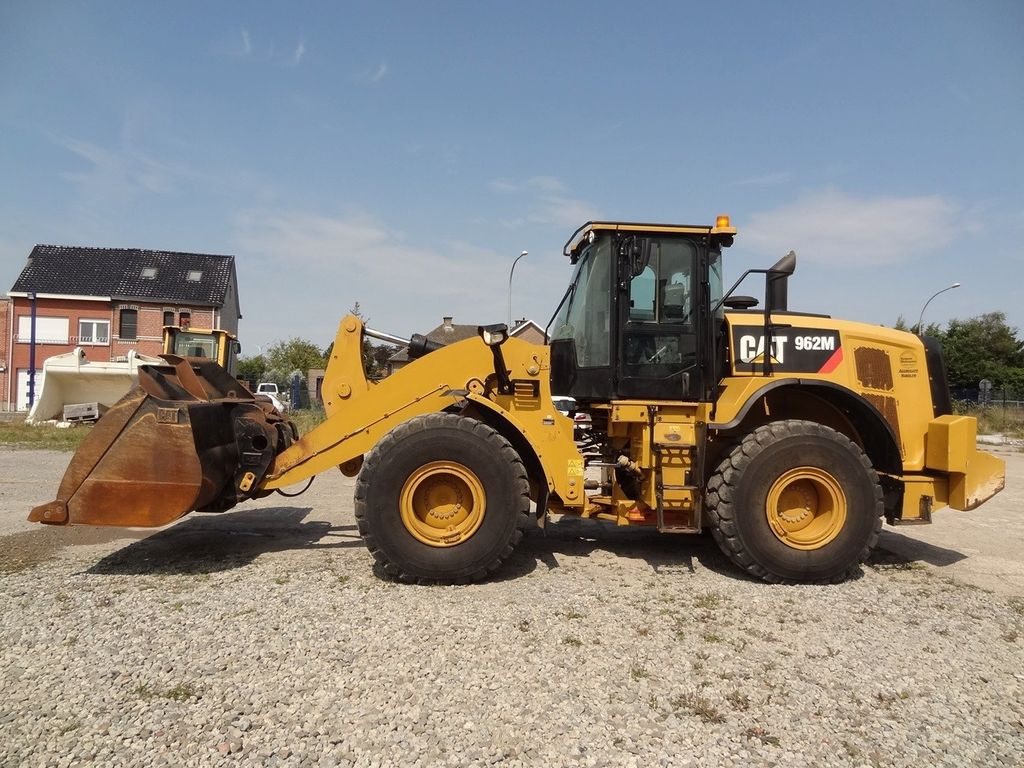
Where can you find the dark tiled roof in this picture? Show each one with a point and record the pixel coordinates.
(441, 334)
(117, 272)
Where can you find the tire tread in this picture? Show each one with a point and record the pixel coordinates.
(371, 466)
(721, 489)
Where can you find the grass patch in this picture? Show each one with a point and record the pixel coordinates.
(759, 733)
(43, 437)
(306, 419)
(890, 698)
(637, 672)
(180, 692)
(708, 601)
(738, 701)
(994, 419)
(691, 703)
(572, 640)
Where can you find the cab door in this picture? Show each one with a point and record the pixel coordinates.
(659, 292)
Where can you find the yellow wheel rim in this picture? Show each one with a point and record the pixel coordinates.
(806, 508)
(442, 503)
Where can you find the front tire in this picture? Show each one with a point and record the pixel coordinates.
(795, 501)
(442, 498)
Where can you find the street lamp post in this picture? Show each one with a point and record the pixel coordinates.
(32, 352)
(920, 319)
(510, 273)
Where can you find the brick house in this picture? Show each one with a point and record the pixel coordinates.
(445, 333)
(109, 301)
(527, 330)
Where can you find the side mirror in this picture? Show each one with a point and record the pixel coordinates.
(635, 252)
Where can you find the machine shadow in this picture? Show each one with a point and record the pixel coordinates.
(895, 549)
(572, 538)
(211, 543)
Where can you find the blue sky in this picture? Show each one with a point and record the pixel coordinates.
(402, 154)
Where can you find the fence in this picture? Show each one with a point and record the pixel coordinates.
(1005, 398)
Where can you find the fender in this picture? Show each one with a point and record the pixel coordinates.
(876, 434)
(557, 468)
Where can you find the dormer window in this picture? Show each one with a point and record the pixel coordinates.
(195, 275)
(149, 273)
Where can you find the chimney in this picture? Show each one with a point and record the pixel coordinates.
(447, 323)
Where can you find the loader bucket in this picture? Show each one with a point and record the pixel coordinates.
(188, 437)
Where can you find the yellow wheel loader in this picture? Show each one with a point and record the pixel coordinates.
(211, 343)
(790, 436)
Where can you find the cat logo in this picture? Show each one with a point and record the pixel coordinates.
(800, 350)
(752, 349)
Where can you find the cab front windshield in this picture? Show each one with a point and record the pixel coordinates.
(585, 313)
(194, 345)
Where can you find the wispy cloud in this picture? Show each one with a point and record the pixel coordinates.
(332, 261)
(300, 51)
(836, 228)
(246, 42)
(120, 172)
(545, 184)
(549, 203)
(372, 76)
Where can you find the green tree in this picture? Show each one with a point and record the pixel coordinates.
(983, 347)
(381, 353)
(369, 364)
(286, 357)
(375, 356)
(252, 369)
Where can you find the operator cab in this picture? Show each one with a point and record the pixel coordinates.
(215, 344)
(635, 321)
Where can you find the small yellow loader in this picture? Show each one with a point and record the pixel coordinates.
(790, 436)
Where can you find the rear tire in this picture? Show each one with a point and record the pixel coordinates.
(795, 501)
(442, 498)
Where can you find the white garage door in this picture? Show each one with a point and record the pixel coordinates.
(23, 387)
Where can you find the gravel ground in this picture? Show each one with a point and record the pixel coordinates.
(263, 637)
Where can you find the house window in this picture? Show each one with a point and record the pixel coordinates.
(49, 330)
(168, 317)
(195, 275)
(93, 331)
(149, 273)
(129, 324)
(185, 319)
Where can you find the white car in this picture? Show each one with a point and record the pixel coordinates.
(567, 407)
(277, 403)
(269, 390)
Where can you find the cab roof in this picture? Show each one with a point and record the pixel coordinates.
(579, 237)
